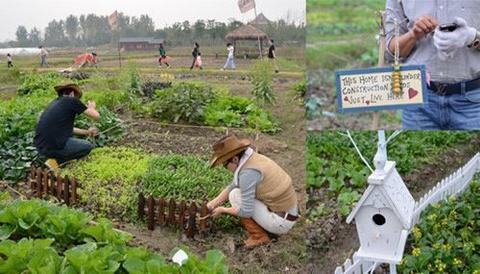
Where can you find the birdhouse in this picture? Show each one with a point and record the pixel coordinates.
(383, 215)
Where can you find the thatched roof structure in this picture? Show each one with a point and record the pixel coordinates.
(261, 20)
(246, 32)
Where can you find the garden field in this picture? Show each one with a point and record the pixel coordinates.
(156, 131)
(337, 177)
(341, 34)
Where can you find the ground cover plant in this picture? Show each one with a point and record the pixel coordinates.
(333, 164)
(40, 237)
(199, 103)
(262, 81)
(112, 178)
(109, 178)
(447, 238)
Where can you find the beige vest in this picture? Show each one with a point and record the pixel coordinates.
(276, 189)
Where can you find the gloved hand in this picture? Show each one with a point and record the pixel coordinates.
(448, 42)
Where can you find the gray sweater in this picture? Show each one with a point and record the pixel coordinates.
(248, 180)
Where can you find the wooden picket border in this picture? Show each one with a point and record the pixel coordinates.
(43, 182)
(190, 217)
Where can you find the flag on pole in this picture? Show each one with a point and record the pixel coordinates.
(113, 20)
(246, 5)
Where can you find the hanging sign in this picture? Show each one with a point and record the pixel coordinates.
(371, 89)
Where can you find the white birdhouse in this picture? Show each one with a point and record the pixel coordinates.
(383, 216)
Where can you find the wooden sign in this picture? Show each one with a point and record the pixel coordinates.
(371, 89)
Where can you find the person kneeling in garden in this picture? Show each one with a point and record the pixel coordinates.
(261, 193)
(53, 135)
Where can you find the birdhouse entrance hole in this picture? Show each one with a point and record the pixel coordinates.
(378, 219)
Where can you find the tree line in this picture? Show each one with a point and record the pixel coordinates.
(93, 30)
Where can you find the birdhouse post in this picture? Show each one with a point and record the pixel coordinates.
(383, 215)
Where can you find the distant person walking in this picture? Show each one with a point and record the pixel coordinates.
(197, 59)
(272, 56)
(43, 56)
(9, 60)
(230, 58)
(163, 56)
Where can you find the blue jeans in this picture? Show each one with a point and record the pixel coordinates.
(454, 112)
(43, 61)
(74, 149)
(230, 63)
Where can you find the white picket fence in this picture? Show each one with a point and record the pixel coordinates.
(356, 266)
(454, 184)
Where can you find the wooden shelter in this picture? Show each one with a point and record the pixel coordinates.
(247, 32)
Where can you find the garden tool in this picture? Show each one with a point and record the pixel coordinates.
(257, 235)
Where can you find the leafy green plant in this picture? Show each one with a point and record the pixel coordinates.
(109, 178)
(333, 163)
(40, 237)
(183, 102)
(183, 177)
(29, 255)
(38, 82)
(262, 81)
(300, 88)
(236, 111)
(110, 127)
(447, 240)
(110, 99)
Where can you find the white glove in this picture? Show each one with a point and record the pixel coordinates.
(448, 42)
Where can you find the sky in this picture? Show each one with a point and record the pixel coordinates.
(35, 13)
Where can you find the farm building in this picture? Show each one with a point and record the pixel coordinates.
(261, 21)
(248, 33)
(139, 43)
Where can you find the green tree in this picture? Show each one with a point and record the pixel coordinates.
(55, 34)
(34, 37)
(71, 28)
(22, 36)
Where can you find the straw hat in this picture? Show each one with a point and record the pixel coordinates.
(226, 148)
(76, 89)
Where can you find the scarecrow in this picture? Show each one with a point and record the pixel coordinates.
(53, 134)
(261, 193)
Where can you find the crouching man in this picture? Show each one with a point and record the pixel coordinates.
(261, 193)
(53, 135)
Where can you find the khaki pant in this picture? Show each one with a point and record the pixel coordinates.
(270, 221)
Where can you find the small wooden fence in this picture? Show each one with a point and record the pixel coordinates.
(44, 182)
(190, 217)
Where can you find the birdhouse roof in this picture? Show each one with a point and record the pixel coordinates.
(395, 194)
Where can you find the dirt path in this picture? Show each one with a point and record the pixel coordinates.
(330, 241)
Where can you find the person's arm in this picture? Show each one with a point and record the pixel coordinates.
(220, 199)
(86, 132)
(248, 180)
(91, 111)
(422, 27)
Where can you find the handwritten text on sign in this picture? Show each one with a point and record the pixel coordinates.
(371, 89)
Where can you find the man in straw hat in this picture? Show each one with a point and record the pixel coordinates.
(53, 135)
(261, 193)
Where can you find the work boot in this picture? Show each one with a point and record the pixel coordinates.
(257, 235)
(52, 165)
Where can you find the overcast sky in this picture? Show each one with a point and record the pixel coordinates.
(38, 13)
